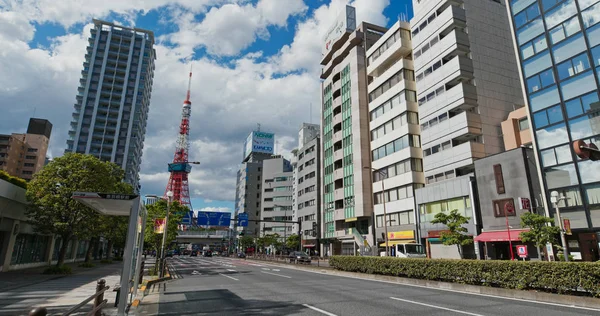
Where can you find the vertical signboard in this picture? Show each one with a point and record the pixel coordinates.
(345, 22)
(259, 142)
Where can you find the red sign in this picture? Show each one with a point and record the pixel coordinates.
(525, 204)
(522, 251)
(509, 208)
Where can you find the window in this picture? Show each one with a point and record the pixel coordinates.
(558, 14)
(28, 165)
(573, 66)
(537, 45)
(545, 98)
(530, 31)
(32, 150)
(30, 157)
(527, 15)
(560, 176)
(536, 64)
(540, 81)
(565, 30)
(552, 136)
(567, 48)
(549, 116)
(557, 155)
(581, 105)
(578, 85)
(523, 124)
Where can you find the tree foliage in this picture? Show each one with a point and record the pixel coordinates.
(456, 234)
(245, 242)
(540, 232)
(293, 241)
(159, 210)
(52, 210)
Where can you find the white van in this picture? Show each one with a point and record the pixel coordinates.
(406, 251)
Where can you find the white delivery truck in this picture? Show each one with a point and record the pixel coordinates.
(406, 251)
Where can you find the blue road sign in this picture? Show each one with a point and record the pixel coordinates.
(242, 220)
(187, 219)
(214, 219)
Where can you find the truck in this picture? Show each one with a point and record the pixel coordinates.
(411, 250)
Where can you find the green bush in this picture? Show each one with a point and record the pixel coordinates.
(58, 270)
(555, 277)
(86, 265)
(118, 258)
(106, 261)
(14, 180)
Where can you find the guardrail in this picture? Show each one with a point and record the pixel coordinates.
(98, 297)
(287, 259)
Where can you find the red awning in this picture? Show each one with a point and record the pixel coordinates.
(500, 235)
(308, 246)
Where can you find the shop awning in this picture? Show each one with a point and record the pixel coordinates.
(308, 246)
(500, 235)
(397, 242)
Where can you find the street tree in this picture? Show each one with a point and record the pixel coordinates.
(159, 210)
(456, 233)
(293, 242)
(245, 242)
(540, 232)
(51, 208)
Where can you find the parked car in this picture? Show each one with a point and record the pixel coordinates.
(186, 252)
(241, 255)
(194, 253)
(298, 257)
(170, 253)
(207, 253)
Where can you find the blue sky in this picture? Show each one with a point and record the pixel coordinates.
(254, 62)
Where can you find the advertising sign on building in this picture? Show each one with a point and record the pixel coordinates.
(345, 22)
(259, 142)
(159, 225)
(522, 251)
(567, 226)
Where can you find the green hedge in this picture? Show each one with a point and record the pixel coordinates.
(14, 180)
(555, 277)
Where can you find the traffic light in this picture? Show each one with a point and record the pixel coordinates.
(586, 151)
(314, 230)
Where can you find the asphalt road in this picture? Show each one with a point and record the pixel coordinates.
(228, 286)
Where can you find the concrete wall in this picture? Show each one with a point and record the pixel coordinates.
(513, 136)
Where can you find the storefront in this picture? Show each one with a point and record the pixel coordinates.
(497, 245)
(397, 238)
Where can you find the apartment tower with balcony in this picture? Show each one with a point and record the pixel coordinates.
(397, 158)
(113, 99)
(346, 162)
(467, 84)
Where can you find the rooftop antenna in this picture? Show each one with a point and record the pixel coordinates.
(187, 96)
(258, 127)
(311, 116)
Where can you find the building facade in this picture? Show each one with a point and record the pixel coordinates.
(277, 196)
(558, 49)
(508, 186)
(397, 158)
(346, 162)
(23, 155)
(467, 84)
(113, 99)
(516, 131)
(307, 189)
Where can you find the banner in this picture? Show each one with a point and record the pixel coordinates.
(159, 225)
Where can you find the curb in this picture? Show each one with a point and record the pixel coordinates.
(520, 295)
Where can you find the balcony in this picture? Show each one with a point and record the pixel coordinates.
(463, 96)
(459, 125)
(452, 158)
(338, 174)
(452, 16)
(399, 49)
(452, 72)
(337, 119)
(339, 215)
(338, 155)
(394, 67)
(337, 137)
(338, 194)
(336, 86)
(455, 41)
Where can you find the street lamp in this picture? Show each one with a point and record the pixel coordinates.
(555, 199)
(165, 230)
(382, 174)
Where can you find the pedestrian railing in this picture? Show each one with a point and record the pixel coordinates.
(284, 258)
(98, 298)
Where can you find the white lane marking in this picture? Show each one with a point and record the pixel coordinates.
(228, 276)
(231, 270)
(435, 306)
(440, 289)
(280, 275)
(196, 272)
(319, 310)
(256, 265)
(267, 269)
(276, 270)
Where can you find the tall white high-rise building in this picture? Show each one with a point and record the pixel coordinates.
(109, 118)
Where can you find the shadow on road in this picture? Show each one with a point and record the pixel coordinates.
(221, 302)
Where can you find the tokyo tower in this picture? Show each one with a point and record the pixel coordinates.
(181, 167)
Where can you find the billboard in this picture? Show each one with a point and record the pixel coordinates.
(259, 142)
(345, 22)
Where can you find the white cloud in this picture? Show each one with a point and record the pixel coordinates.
(229, 29)
(214, 209)
(228, 99)
(305, 51)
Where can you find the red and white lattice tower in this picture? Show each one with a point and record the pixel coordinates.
(180, 168)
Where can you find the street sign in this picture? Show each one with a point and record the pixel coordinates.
(114, 196)
(187, 219)
(522, 251)
(242, 220)
(214, 219)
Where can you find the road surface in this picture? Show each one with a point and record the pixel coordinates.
(231, 286)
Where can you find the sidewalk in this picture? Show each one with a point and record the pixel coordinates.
(58, 293)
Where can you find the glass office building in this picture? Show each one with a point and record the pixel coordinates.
(558, 46)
